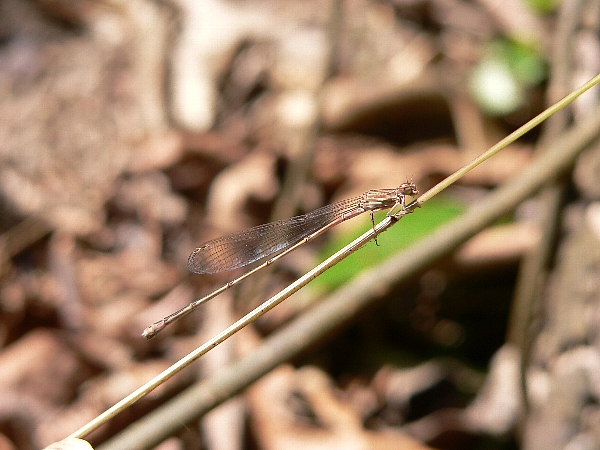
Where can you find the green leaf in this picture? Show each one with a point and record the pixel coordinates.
(410, 229)
(543, 6)
(499, 80)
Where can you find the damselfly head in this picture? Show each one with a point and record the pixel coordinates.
(408, 188)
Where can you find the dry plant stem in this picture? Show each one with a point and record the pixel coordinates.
(508, 140)
(155, 328)
(22, 235)
(244, 321)
(346, 303)
(534, 266)
(301, 141)
(346, 251)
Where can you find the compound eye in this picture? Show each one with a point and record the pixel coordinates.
(409, 189)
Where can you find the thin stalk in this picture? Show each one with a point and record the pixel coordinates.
(324, 318)
(241, 323)
(507, 140)
(330, 262)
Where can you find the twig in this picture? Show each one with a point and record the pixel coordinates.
(241, 323)
(451, 179)
(346, 303)
(21, 236)
(534, 264)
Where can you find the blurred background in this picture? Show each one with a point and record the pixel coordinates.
(133, 131)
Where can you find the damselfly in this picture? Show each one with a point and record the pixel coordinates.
(279, 238)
